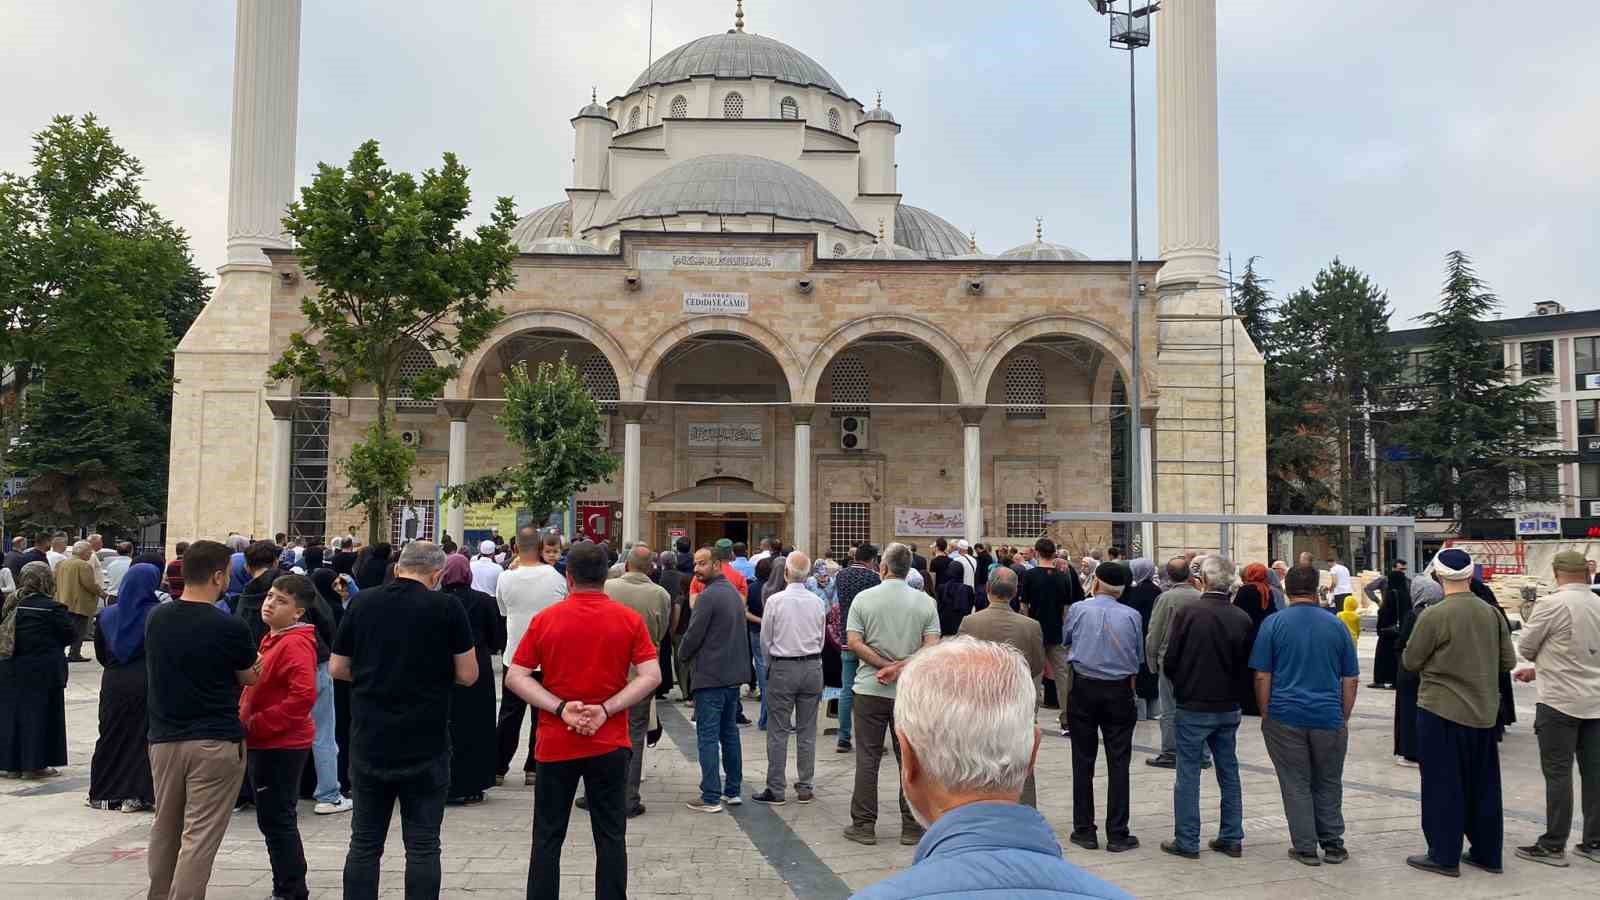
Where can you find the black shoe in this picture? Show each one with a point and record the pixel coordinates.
(1590, 851)
(1425, 862)
(1472, 861)
(1539, 854)
(768, 798)
(1334, 855)
(743, 719)
(582, 803)
(1162, 761)
(77, 659)
(1308, 858)
(910, 838)
(1121, 844)
(1173, 848)
(843, 747)
(1234, 849)
(1087, 840)
(637, 811)
(1205, 764)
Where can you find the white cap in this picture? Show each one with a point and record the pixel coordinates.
(486, 548)
(914, 579)
(963, 545)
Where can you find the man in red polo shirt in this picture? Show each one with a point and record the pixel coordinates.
(585, 645)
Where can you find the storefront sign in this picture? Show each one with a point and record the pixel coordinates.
(727, 303)
(1538, 525)
(918, 522)
(1589, 446)
(735, 435)
(721, 260)
(1579, 529)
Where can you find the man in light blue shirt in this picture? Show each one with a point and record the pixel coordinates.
(1105, 645)
(741, 562)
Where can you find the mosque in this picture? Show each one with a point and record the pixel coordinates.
(782, 344)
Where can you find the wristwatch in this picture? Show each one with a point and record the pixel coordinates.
(560, 707)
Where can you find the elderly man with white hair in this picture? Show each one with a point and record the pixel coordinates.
(964, 720)
(78, 588)
(792, 622)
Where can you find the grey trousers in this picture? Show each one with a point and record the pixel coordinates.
(638, 724)
(1561, 737)
(794, 689)
(1310, 767)
(1057, 655)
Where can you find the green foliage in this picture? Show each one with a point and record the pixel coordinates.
(377, 470)
(392, 273)
(556, 422)
(1253, 304)
(1468, 429)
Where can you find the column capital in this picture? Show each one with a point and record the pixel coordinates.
(802, 412)
(457, 410)
(632, 413)
(971, 416)
(282, 407)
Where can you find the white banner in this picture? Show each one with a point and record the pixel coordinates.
(918, 522)
(725, 434)
(722, 302)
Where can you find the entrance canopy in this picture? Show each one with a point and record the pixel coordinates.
(718, 495)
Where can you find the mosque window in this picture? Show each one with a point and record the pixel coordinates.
(848, 524)
(416, 361)
(788, 109)
(733, 106)
(851, 388)
(679, 107)
(834, 124)
(1024, 520)
(1024, 388)
(633, 119)
(839, 251)
(600, 381)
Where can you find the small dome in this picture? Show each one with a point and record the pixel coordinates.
(921, 230)
(737, 55)
(884, 250)
(594, 111)
(734, 184)
(1040, 250)
(877, 114)
(546, 222)
(566, 245)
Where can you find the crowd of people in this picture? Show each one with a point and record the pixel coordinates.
(256, 674)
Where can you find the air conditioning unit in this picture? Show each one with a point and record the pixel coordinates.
(853, 433)
(411, 437)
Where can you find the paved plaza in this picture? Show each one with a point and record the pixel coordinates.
(51, 845)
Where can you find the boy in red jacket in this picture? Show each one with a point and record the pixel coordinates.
(276, 712)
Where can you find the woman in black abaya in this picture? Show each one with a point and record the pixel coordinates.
(1396, 600)
(473, 746)
(33, 677)
(119, 774)
(1424, 592)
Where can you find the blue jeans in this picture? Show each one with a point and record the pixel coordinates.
(758, 658)
(324, 749)
(716, 727)
(1219, 731)
(848, 664)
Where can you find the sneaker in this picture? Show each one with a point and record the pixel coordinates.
(1425, 863)
(1163, 761)
(637, 811)
(699, 806)
(803, 795)
(911, 838)
(1173, 848)
(1334, 855)
(843, 747)
(1122, 844)
(342, 805)
(861, 834)
(1471, 860)
(1066, 732)
(735, 800)
(1404, 763)
(743, 719)
(768, 798)
(1085, 839)
(1234, 849)
(1591, 852)
(1308, 858)
(1538, 854)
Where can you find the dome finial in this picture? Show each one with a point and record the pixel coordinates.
(594, 94)
(972, 241)
(738, 15)
(880, 100)
(880, 230)
(1038, 228)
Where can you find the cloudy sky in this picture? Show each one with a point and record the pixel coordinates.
(1383, 133)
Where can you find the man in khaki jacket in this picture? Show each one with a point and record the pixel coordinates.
(635, 590)
(78, 589)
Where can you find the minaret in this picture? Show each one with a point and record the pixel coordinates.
(1186, 143)
(266, 88)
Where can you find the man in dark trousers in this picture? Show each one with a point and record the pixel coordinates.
(1207, 660)
(1047, 592)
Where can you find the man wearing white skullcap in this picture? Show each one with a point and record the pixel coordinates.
(1459, 647)
(485, 571)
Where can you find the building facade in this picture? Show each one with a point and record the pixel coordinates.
(780, 343)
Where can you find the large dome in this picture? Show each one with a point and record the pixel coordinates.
(734, 184)
(921, 230)
(737, 55)
(546, 222)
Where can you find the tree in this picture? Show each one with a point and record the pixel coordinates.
(1254, 304)
(393, 273)
(95, 288)
(1468, 430)
(1331, 364)
(555, 420)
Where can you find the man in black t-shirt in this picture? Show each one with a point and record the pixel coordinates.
(197, 657)
(938, 565)
(402, 646)
(1047, 592)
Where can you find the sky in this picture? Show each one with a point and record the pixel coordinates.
(1385, 134)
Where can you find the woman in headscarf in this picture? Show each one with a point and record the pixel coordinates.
(1141, 595)
(1254, 596)
(371, 569)
(119, 773)
(34, 630)
(1424, 592)
(1508, 704)
(473, 749)
(1396, 599)
(327, 582)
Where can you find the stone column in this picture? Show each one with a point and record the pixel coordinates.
(632, 414)
(266, 88)
(455, 516)
(1186, 142)
(282, 450)
(972, 471)
(802, 413)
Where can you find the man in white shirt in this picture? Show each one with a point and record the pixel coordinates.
(117, 567)
(523, 592)
(1341, 583)
(1562, 639)
(486, 573)
(792, 622)
(961, 558)
(58, 550)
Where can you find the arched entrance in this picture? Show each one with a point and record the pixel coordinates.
(716, 508)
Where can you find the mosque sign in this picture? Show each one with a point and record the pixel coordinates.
(725, 434)
(722, 260)
(702, 303)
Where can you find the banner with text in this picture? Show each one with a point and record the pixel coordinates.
(911, 521)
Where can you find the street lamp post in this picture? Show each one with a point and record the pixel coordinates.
(1130, 30)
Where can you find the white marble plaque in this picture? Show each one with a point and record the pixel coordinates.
(725, 303)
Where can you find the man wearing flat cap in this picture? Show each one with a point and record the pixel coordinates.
(1459, 647)
(1105, 645)
(1562, 640)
